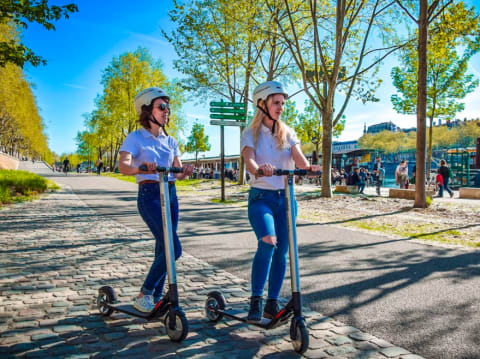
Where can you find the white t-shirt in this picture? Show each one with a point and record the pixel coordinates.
(267, 151)
(145, 147)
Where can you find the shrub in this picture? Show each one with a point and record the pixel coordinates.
(23, 183)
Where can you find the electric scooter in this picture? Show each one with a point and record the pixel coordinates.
(215, 305)
(176, 323)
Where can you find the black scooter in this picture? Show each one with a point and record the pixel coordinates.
(176, 323)
(215, 305)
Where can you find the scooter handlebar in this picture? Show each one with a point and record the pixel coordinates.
(163, 169)
(297, 172)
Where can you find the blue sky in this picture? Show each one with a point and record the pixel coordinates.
(82, 46)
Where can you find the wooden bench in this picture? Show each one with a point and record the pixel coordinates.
(346, 189)
(405, 193)
(469, 192)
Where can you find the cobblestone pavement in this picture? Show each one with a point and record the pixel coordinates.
(57, 252)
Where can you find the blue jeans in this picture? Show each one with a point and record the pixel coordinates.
(267, 214)
(150, 209)
(440, 190)
(361, 186)
(445, 185)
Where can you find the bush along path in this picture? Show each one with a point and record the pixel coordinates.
(19, 186)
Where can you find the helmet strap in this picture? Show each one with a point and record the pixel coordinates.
(269, 116)
(154, 120)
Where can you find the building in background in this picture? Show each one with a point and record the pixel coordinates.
(383, 126)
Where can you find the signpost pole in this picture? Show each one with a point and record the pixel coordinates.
(222, 161)
(226, 114)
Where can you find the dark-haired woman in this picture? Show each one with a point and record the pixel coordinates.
(152, 146)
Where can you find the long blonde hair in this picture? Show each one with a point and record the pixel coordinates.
(280, 128)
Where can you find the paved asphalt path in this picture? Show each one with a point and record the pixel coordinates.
(421, 297)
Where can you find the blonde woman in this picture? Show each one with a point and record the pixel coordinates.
(267, 144)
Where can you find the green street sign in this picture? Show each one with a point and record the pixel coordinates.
(225, 116)
(227, 104)
(227, 123)
(227, 110)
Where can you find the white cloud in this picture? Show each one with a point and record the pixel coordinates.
(472, 106)
(157, 40)
(75, 86)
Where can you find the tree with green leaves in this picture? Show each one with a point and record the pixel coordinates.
(197, 141)
(22, 129)
(114, 115)
(308, 125)
(427, 12)
(388, 141)
(462, 134)
(19, 13)
(335, 49)
(225, 48)
(455, 30)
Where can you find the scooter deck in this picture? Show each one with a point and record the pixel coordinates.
(129, 309)
(240, 315)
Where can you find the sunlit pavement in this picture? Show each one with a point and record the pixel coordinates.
(56, 253)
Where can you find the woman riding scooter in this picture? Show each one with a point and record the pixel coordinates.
(151, 146)
(266, 144)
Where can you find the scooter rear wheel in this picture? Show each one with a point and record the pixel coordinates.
(180, 331)
(106, 294)
(215, 301)
(299, 336)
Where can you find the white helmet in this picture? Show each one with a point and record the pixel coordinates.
(145, 97)
(266, 89)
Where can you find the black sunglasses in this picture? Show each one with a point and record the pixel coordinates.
(164, 106)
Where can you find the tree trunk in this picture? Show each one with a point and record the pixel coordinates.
(420, 196)
(327, 119)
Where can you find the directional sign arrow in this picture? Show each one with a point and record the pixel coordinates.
(227, 123)
(227, 110)
(226, 104)
(225, 116)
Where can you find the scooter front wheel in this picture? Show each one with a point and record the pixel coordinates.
(299, 335)
(106, 294)
(180, 331)
(215, 301)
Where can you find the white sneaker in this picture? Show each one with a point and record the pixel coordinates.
(144, 304)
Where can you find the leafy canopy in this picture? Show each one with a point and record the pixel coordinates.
(197, 141)
(19, 13)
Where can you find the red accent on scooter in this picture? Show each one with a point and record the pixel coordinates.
(157, 305)
(279, 313)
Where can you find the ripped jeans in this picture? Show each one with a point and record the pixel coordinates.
(267, 214)
(148, 202)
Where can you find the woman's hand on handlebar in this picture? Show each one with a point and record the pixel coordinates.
(265, 170)
(151, 167)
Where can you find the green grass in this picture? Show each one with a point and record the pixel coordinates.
(120, 176)
(420, 232)
(181, 185)
(230, 201)
(19, 186)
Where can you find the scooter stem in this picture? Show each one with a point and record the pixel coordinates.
(292, 233)
(167, 227)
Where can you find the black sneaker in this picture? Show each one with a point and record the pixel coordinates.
(255, 312)
(271, 309)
